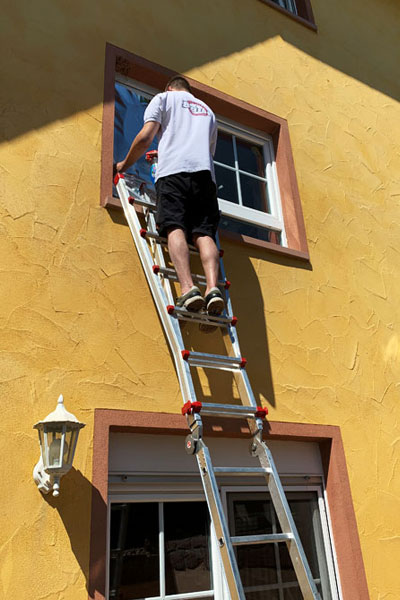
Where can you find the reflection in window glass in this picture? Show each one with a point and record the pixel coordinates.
(256, 563)
(136, 550)
(250, 157)
(134, 555)
(224, 150)
(254, 193)
(187, 560)
(226, 184)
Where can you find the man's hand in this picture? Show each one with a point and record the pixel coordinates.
(120, 166)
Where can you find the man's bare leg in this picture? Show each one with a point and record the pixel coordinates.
(209, 257)
(179, 253)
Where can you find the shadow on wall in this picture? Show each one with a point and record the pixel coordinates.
(251, 308)
(54, 52)
(74, 505)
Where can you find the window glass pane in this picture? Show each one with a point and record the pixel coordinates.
(187, 555)
(224, 150)
(256, 563)
(293, 593)
(254, 231)
(254, 193)
(226, 184)
(129, 110)
(134, 556)
(250, 157)
(288, 4)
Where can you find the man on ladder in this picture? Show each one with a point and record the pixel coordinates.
(187, 205)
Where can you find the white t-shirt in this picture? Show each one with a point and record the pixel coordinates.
(188, 133)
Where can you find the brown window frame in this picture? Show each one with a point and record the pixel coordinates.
(156, 76)
(343, 520)
(305, 14)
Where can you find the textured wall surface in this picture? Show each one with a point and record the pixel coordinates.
(76, 316)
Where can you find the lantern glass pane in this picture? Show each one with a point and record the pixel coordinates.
(54, 441)
(40, 432)
(70, 441)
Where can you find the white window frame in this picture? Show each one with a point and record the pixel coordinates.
(273, 220)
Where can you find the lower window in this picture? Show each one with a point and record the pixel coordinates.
(166, 549)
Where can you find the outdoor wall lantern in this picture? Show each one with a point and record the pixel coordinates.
(58, 435)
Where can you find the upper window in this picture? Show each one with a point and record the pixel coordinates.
(256, 180)
(288, 5)
(245, 170)
(247, 184)
(300, 10)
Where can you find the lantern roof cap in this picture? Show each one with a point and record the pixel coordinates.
(60, 415)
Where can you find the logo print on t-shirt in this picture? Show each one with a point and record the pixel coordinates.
(196, 109)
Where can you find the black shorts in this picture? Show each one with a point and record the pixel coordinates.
(188, 201)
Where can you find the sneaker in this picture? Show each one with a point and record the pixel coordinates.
(214, 302)
(192, 300)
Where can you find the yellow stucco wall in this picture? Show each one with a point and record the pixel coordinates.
(76, 316)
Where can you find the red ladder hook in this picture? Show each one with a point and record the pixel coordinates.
(261, 412)
(190, 408)
(118, 177)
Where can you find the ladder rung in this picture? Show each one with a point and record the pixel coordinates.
(199, 317)
(214, 361)
(246, 540)
(145, 233)
(232, 410)
(242, 470)
(200, 279)
(135, 198)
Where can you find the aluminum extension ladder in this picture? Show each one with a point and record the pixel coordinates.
(150, 246)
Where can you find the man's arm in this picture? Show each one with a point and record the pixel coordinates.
(139, 145)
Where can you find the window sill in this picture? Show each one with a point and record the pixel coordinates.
(302, 20)
(111, 202)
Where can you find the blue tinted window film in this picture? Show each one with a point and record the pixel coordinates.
(129, 110)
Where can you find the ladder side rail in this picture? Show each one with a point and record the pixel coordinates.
(171, 325)
(218, 518)
(286, 521)
(244, 388)
(159, 255)
(229, 310)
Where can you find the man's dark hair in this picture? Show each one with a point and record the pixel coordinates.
(178, 83)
